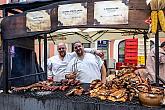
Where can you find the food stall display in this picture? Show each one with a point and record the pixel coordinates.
(124, 86)
(122, 89)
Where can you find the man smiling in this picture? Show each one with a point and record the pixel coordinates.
(87, 66)
(58, 63)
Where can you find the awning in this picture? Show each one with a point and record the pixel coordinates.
(93, 34)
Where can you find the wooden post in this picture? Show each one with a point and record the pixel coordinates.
(5, 59)
(45, 54)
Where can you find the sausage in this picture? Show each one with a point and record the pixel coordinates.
(64, 88)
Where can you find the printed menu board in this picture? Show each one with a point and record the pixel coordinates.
(38, 21)
(72, 14)
(111, 12)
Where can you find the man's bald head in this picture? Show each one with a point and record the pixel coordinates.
(61, 48)
(61, 44)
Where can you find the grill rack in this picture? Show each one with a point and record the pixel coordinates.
(86, 99)
(83, 98)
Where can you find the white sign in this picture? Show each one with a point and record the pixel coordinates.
(110, 12)
(38, 21)
(72, 14)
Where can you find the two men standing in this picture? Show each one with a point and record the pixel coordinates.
(90, 66)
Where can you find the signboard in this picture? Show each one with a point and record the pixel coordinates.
(38, 21)
(111, 12)
(102, 43)
(72, 14)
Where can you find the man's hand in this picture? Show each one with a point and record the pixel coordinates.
(99, 53)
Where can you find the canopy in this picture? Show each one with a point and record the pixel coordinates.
(16, 26)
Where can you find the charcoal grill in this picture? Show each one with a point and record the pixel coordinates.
(86, 99)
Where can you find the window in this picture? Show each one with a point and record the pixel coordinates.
(86, 45)
(121, 48)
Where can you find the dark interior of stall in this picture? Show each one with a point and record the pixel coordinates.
(23, 62)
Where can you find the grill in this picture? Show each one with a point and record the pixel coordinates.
(44, 95)
(47, 95)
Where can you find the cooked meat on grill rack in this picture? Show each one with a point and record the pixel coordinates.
(78, 90)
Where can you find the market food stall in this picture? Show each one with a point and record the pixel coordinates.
(68, 14)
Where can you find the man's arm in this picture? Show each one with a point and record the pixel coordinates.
(103, 74)
(49, 64)
(150, 67)
(87, 50)
(93, 51)
(49, 69)
(102, 69)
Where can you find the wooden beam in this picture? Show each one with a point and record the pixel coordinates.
(13, 11)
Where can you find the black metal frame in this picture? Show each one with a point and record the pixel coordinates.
(7, 69)
(157, 57)
(6, 59)
(15, 8)
(145, 47)
(10, 8)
